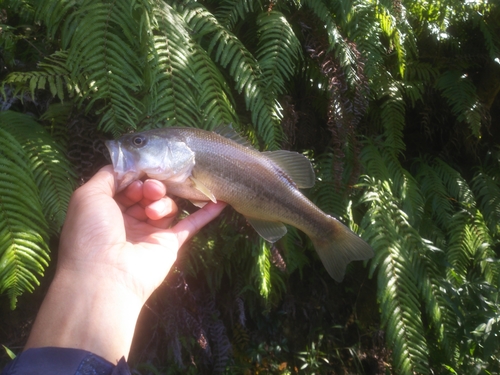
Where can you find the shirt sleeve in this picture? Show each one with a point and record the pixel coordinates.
(63, 361)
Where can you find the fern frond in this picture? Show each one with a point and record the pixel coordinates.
(375, 163)
(410, 263)
(53, 75)
(215, 99)
(230, 12)
(172, 96)
(223, 254)
(438, 200)
(329, 199)
(418, 71)
(326, 193)
(101, 44)
(56, 119)
(23, 9)
(23, 229)
(417, 77)
(457, 186)
(230, 52)
(53, 14)
(278, 51)
(462, 245)
(51, 170)
(321, 10)
(440, 311)
(396, 244)
(486, 187)
(295, 260)
(337, 42)
(263, 269)
(366, 34)
(460, 93)
(487, 29)
(393, 119)
(469, 248)
(388, 25)
(484, 254)
(384, 166)
(268, 280)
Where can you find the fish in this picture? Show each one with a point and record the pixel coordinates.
(203, 166)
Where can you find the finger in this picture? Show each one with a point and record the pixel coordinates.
(154, 189)
(189, 226)
(137, 212)
(161, 208)
(131, 195)
(163, 223)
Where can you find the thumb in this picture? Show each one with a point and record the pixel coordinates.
(102, 182)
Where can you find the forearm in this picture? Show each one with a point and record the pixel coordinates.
(88, 313)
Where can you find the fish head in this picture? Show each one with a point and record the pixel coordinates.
(149, 154)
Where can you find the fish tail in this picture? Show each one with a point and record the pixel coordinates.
(339, 247)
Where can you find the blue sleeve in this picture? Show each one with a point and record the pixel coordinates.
(63, 361)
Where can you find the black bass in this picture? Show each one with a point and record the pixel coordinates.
(204, 166)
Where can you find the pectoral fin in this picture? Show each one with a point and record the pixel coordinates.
(271, 231)
(203, 189)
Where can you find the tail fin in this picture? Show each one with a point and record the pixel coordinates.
(339, 247)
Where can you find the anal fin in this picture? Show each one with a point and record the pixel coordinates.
(271, 231)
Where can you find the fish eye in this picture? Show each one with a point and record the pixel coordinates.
(139, 141)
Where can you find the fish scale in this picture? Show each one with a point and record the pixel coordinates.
(200, 165)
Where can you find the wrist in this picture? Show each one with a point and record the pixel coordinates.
(89, 313)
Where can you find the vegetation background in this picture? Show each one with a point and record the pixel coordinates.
(394, 101)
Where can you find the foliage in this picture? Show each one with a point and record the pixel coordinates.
(393, 101)
(35, 188)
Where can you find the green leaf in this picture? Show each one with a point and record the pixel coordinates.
(460, 93)
(9, 352)
(51, 171)
(278, 50)
(23, 248)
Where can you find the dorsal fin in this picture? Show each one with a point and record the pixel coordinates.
(295, 165)
(227, 131)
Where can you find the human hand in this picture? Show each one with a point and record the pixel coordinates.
(113, 254)
(127, 238)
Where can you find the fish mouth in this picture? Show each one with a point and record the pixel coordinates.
(125, 174)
